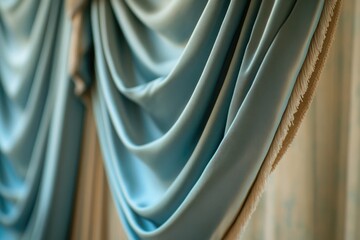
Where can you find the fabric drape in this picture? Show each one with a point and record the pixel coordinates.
(186, 118)
(313, 192)
(40, 121)
(193, 101)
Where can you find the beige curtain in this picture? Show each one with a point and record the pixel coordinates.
(315, 191)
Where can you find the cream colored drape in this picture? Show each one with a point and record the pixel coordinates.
(315, 190)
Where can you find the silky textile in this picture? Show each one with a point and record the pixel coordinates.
(40, 121)
(188, 98)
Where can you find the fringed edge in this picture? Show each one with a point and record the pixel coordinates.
(299, 102)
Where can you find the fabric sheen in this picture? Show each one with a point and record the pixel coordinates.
(185, 120)
(187, 97)
(40, 121)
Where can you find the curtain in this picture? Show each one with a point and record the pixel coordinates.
(314, 193)
(132, 94)
(40, 121)
(191, 106)
(175, 133)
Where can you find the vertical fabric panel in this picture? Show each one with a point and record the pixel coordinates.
(40, 121)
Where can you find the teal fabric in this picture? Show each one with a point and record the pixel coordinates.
(188, 99)
(40, 121)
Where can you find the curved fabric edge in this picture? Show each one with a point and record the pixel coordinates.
(298, 105)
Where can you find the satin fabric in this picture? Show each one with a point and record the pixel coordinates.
(40, 121)
(188, 98)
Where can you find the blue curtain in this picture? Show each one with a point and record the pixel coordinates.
(188, 96)
(40, 121)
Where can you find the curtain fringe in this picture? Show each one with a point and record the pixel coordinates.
(299, 103)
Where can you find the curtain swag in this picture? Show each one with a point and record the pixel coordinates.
(195, 101)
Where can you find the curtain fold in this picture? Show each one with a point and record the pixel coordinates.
(40, 121)
(192, 103)
(181, 135)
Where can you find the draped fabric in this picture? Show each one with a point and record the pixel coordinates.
(40, 121)
(186, 113)
(193, 101)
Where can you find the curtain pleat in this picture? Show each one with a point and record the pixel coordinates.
(190, 106)
(170, 157)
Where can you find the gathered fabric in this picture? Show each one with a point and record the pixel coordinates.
(188, 98)
(194, 103)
